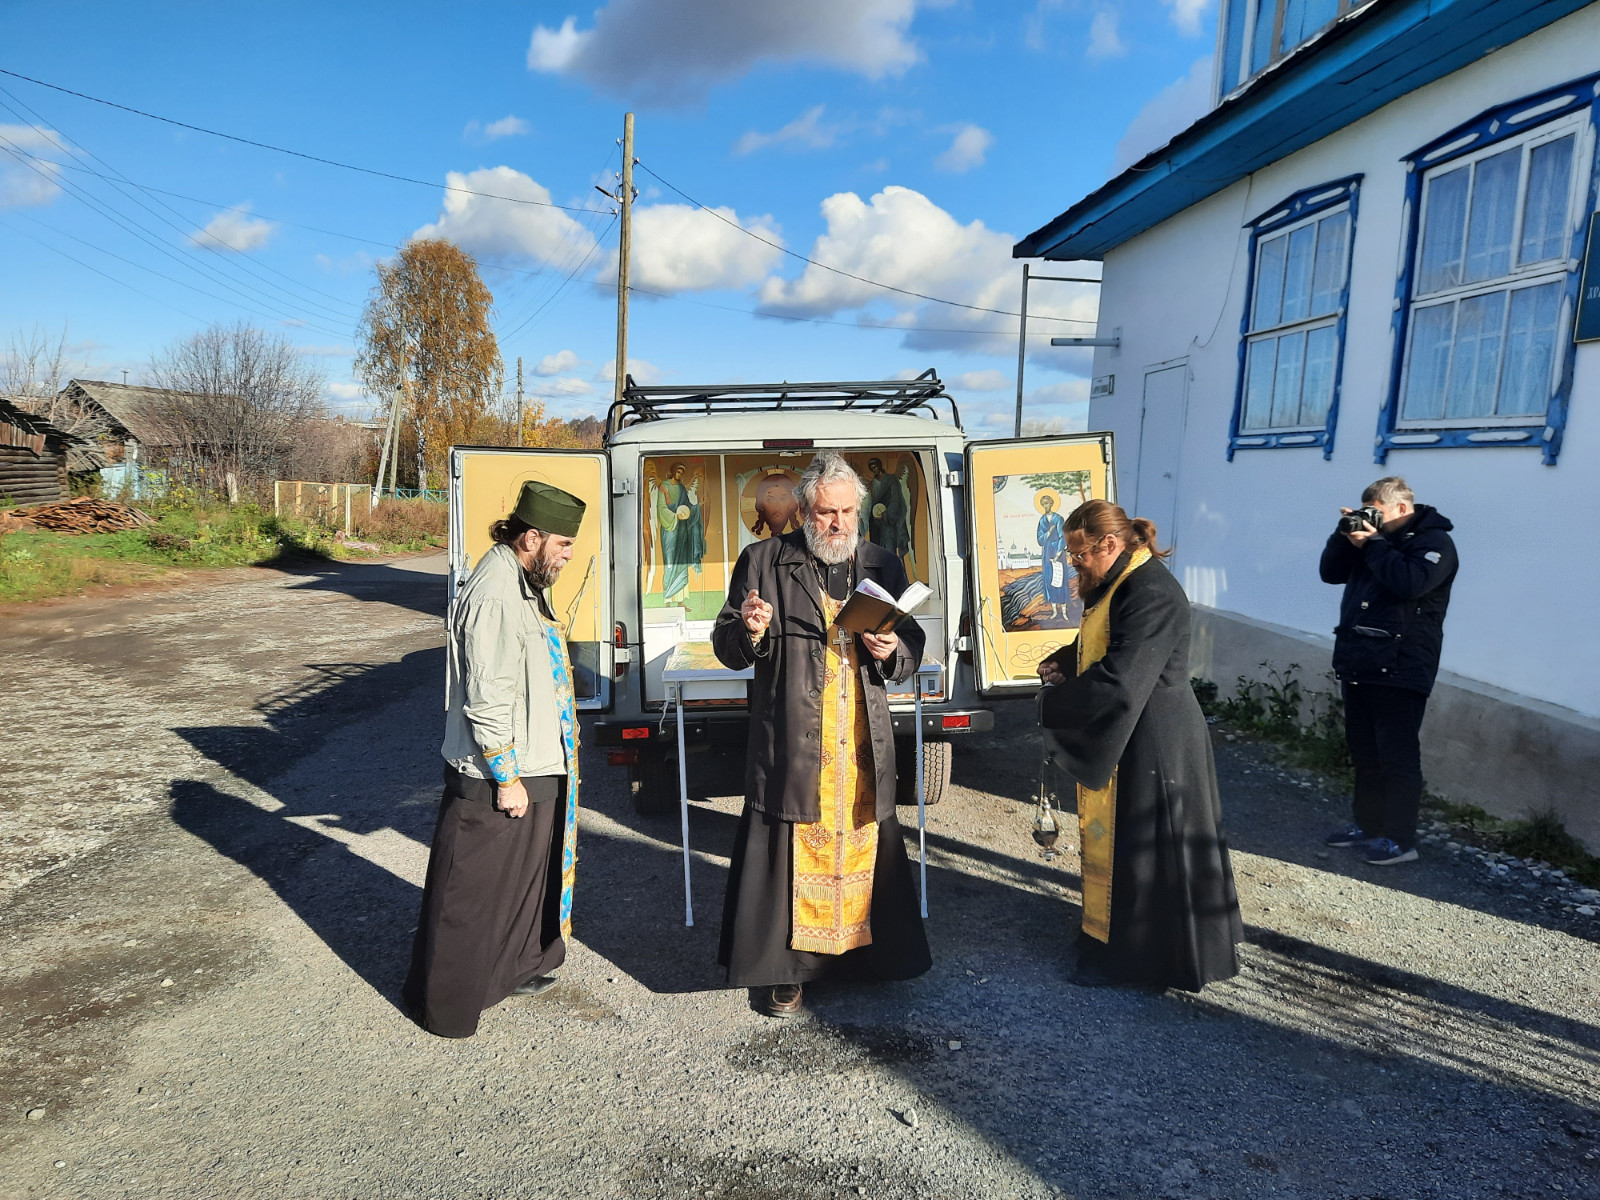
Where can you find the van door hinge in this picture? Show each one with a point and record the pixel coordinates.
(621, 486)
(952, 479)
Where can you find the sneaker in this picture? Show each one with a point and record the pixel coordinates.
(1350, 835)
(1385, 852)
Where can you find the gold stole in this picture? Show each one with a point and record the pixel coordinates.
(1097, 808)
(834, 856)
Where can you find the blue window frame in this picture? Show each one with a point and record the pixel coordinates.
(1291, 338)
(1482, 333)
(1254, 34)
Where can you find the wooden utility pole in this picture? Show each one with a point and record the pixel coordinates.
(388, 440)
(519, 401)
(625, 198)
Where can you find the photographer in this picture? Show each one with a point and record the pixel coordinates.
(1396, 561)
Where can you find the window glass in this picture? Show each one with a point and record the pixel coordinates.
(1475, 366)
(1494, 209)
(1259, 369)
(1530, 349)
(1444, 216)
(1297, 274)
(1322, 349)
(1431, 335)
(1327, 285)
(1233, 44)
(1286, 382)
(1269, 282)
(1261, 43)
(1544, 220)
(1302, 18)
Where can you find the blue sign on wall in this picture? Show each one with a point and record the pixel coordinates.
(1588, 326)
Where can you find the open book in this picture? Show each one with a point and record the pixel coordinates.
(870, 609)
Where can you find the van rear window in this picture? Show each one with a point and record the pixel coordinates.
(701, 510)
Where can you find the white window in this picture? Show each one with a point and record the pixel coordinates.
(1293, 345)
(1488, 282)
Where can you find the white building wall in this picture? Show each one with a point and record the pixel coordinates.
(1249, 532)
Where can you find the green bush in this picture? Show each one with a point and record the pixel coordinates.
(1308, 725)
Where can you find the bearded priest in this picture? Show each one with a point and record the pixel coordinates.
(820, 884)
(1159, 905)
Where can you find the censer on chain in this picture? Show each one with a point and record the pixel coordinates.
(1046, 828)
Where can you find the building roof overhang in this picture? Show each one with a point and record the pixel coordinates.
(1365, 60)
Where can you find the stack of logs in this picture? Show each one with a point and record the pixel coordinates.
(83, 515)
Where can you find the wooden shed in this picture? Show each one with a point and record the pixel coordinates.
(33, 457)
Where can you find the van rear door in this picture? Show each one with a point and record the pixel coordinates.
(1023, 590)
(484, 485)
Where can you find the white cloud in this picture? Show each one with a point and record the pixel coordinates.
(902, 238)
(566, 385)
(235, 229)
(502, 228)
(1033, 25)
(346, 391)
(967, 148)
(1186, 14)
(677, 248)
(643, 372)
(1170, 111)
(984, 381)
(1055, 408)
(1105, 40)
(675, 50)
(334, 351)
(554, 364)
(29, 180)
(507, 126)
(806, 131)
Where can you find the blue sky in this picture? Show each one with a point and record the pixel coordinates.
(906, 142)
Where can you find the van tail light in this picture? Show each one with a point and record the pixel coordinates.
(957, 721)
(622, 758)
(619, 639)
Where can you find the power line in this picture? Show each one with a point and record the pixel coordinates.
(244, 141)
(302, 294)
(754, 312)
(888, 287)
(96, 270)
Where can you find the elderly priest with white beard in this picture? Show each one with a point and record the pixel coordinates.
(820, 885)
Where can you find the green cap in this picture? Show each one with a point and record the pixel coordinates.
(549, 509)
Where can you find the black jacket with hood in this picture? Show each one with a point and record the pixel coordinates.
(1396, 590)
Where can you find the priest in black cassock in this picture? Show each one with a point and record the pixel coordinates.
(1159, 905)
(820, 885)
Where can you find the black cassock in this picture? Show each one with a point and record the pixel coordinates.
(1174, 911)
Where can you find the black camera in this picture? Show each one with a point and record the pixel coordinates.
(1364, 516)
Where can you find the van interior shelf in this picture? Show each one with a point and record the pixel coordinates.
(657, 402)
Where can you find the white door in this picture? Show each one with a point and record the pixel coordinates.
(1161, 420)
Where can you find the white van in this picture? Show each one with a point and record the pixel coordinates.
(688, 477)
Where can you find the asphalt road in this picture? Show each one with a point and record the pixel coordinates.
(215, 802)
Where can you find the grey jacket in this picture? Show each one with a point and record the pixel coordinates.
(499, 687)
(784, 766)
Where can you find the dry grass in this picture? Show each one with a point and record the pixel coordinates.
(404, 524)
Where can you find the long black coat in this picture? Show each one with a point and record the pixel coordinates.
(1396, 591)
(1174, 911)
(784, 767)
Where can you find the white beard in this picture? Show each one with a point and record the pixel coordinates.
(832, 550)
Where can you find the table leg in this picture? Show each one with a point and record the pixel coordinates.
(683, 806)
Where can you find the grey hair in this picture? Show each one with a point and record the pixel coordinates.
(829, 466)
(1391, 489)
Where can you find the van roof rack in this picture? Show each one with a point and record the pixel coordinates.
(897, 396)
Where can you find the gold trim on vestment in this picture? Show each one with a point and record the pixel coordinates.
(1097, 808)
(834, 855)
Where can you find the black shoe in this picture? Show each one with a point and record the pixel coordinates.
(532, 987)
(782, 1001)
(1349, 835)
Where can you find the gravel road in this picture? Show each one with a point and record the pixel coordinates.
(215, 801)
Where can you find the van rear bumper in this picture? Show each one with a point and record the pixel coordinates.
(649, 729)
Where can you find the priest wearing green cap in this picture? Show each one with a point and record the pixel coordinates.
(497, 905)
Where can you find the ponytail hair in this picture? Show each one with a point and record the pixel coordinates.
(508, 529)
(1095, 519)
